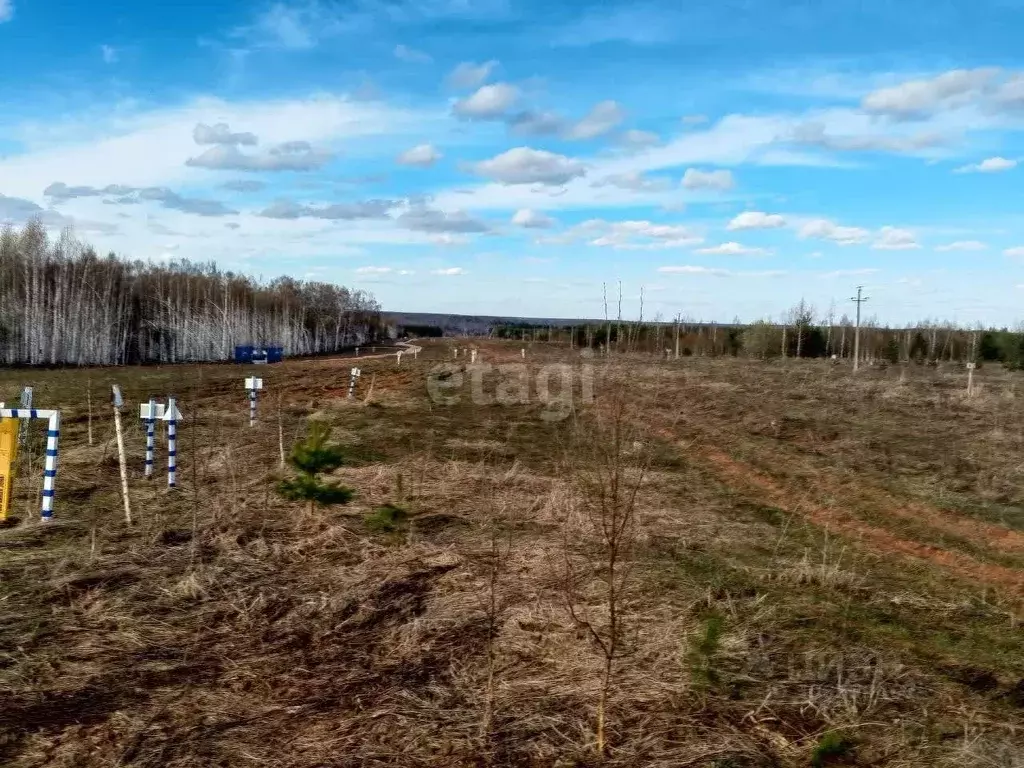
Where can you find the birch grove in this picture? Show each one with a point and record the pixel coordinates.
(61, 304)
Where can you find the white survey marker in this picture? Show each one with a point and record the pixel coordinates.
(157, 413)
(253, 383)
(171, 413)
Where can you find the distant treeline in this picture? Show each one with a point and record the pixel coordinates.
(422, 331)
(800, 334)
(60, 303)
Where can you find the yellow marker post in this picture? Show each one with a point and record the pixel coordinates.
(8, 454)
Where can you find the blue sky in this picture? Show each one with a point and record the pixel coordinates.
(506, 157)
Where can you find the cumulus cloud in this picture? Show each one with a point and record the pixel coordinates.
(989, 165)
(411, 55)
(58, 191)
(634, 181)
(221, 134)
(523, 165)
(366, 209)
(916, 99)
(423, 219)
(6, 10)
(730, 249)
(420, 156)
(629, 235)
(470, 75)
(290, 156)
(1017, 252)
(823, 229)
(715, 180)
(449, 272)
(530, 219)
(602, 119)
(532, 123)
(636, 139)
(962, 245)
(14, 210)
(489, 102)
(895, 239)
(756, 220)
(815, 134)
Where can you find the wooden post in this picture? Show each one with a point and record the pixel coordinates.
(122, 461)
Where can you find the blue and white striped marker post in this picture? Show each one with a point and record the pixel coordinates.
(171, 416)
(253, 384)
(149, 413)
(52, 440)
(150, 437)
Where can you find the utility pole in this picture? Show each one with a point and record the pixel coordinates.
(856, 331)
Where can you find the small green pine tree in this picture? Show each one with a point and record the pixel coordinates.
(312, 457)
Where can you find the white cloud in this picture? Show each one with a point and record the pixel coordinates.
(962, 245)
(488, 102)
(221, 134)
(531, 123)
(420, 156)
(6, 10)
(373, 270)
(815, 133)
(694, 119)
(635, 181)
(730, 249)
(989, 165)
(108, 52)
(411, 55)
(637, 139)
(144, 149)
(290, 156)
(523, 165)
(602, 119)
(469, 75)
(756, 220)
(824, 229)
(895, 239)
(449, 272)
(530, 219)
(628, 235)
(423, 219)
(919, 98)
(716, 180)
(1017, 252)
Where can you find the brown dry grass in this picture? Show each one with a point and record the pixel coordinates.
(230, 628)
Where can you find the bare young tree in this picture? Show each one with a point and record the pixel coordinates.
(599, 538)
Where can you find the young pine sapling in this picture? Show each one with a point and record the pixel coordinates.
(313, 457)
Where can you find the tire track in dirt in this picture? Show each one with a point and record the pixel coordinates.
(741, 475)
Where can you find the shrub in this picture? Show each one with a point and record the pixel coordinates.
(386, 518)
(831, 745)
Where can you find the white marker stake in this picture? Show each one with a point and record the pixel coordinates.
(118, 402)
(171, 416)
(523, 353)
(149, 414)
(357, 351)
(352, 382)
(472, 357)
(253, 384)
(970, 379)
(416, 354)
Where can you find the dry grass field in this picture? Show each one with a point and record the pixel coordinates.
(724, 562)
